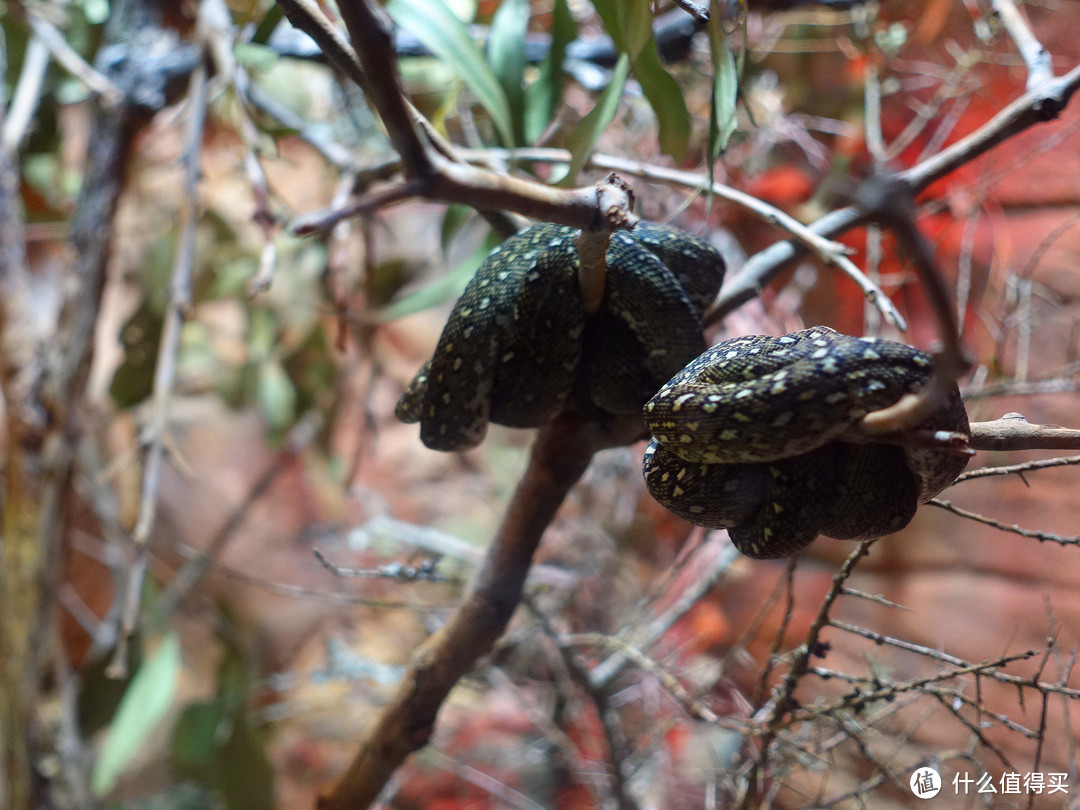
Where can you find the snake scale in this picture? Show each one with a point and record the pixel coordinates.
(751, 436)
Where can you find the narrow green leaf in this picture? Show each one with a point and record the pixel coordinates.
(454, 218)
(543, 96)
(255, 56)
(666, 98)
(506, 53)
(637, 21)
(247, 777)
(627, 22)
(584, 138)
(267, 24)
(612, 16)
(725, 86)
(143, 706)
(276, 396)
(446, 36)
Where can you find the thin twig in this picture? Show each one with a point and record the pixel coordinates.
(1032, 108)
(771, 717)
(657, 626)
(27, 96)
(952, 660)
(690, 704)
(830, 252)
(1036, 58)
(1012, 528)
(1013, 469)
(165, 370)
(613, 734)
(560, 454)
(299, 438)
(69, 59)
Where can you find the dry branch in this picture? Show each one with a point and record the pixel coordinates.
(560, 454)
(1036, 106)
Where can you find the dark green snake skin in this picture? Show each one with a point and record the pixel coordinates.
(749, 437)
(518, 345)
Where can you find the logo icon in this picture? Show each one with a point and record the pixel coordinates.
(925, 782)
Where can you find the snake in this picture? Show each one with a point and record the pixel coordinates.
(755, 436)
(518, 345)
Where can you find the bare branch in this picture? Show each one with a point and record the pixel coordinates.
(1014, 469)
(1036, 58)
(1014, 432)
(1012, 528)
(560, 454)
(430, 170)
(1032, 108)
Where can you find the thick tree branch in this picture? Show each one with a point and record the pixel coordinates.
(562, 451)
(1014, 432)
(431, 170)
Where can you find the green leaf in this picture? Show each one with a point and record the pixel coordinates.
(276, 396)
(543, 96)
(627, 22)
(247, 777)
(446, 36)
(725, 86)
(143, 706)
(269, 22)
(140, 337)
(255, 56)
(195, 740)
(456, 215)
(446, 288)
(637, 25)
(612, 18)
(584, 138)
(666, 98)
(506, 53)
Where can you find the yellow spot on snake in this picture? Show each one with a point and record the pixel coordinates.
(727, 435)
(677, 491)
(742, 417)
(680, 400)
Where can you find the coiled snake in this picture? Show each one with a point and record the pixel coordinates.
(518, 345)
(749, 436)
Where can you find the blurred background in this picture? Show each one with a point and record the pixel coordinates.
(253, 668)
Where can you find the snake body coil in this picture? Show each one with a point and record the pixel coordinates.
(750, 437)
(518, 345)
